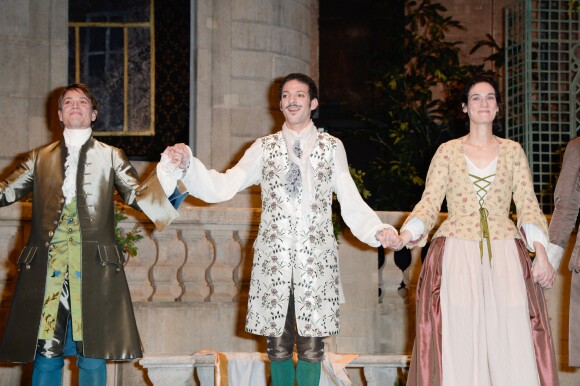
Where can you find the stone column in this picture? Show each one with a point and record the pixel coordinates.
(243, 47)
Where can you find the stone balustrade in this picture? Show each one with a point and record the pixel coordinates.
(168, 370)
(189, 287)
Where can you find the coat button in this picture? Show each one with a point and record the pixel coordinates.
(70, 240)
(27, 266)
(118, 269)
(51, 233)
(69, 230)
(103, 264)
(46, 244)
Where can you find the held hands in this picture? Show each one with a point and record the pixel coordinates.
(178, 156)
(388, 237)
(403, 239)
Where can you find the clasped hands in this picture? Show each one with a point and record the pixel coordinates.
(178, 156)
(390, 239)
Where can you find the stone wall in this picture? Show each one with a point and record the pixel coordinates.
(242, 47)
(33, 60)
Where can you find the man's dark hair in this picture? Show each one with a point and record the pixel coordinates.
(312, 89)
(82, 88)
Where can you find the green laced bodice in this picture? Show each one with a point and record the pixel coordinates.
(482, 183)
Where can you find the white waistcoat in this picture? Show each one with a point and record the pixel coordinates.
(293, 250)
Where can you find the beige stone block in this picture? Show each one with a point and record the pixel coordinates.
(262, 11)
(58, 70)
(58, 19)
(354, 322)
(347, 344)
(295, 16)
(39, 68)
(259, 37)
(202, 326)
(14, 18)
(305, 3)
(40, 133)
(14, 68)
(252, 64)
(251, 123)
(284, 65)
(14, 113)
(305, 49)
(40, 22)
(254, 92)
(203, 65)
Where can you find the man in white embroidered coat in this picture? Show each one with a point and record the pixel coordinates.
(295, 284)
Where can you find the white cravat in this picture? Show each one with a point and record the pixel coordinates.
(74, 139)
(307, 138)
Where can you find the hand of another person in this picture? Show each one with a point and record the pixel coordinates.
(542, 271)
(387, 237)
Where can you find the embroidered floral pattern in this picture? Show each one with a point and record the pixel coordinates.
(290, 252)
(448, 178)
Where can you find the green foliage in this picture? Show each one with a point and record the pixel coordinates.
(419, 93)
(498, 56)
(358, 178)
(126, 240)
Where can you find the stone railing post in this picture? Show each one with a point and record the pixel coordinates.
(163, 275)
(200, 252)
(169, 370)
(221, 272)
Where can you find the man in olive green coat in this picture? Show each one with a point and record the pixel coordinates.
(72, 296)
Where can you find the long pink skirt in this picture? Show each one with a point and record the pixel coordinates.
(481, 323)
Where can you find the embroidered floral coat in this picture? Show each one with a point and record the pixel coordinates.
(292, 250)
(448, 178)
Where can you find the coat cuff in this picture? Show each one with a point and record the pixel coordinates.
(153, 201)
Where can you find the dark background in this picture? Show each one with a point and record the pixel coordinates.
(172, 48)
(356, 43)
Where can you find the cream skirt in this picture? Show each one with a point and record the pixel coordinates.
(486, 331)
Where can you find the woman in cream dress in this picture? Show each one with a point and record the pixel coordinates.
(481, 314)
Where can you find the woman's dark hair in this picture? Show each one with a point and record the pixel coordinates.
(493, 83)
(481, 79)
